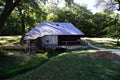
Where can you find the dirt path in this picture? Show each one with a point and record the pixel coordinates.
(117, 51)
(13, 47)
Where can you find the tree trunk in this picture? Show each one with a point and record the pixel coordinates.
(118, 43)
(22, 17)
(9, 7)
(23, 31)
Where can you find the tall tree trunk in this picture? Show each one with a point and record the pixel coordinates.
(22, 18)
(9, 7)
(23, 30)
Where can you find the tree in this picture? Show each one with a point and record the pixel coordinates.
(69, 2)
(8, 8)
(109, 4)
(114, 32)
(23, 8)
(101, 20)
(12, 25)
(25, 15)
(80, 17)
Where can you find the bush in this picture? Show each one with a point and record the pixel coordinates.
(2, 52)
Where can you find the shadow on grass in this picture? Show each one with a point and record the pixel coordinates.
(9, 41)
(53, 53)
(19, 63)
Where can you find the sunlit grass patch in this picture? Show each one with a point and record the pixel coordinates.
(78, 52)
(9, 40)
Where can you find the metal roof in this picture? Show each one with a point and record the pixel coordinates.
(53, 28)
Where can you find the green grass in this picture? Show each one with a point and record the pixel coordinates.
(76, 65)
(13, 63)
(9, 40)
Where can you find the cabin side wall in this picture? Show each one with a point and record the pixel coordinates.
(50, 40)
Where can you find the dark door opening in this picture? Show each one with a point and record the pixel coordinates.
(68, 40)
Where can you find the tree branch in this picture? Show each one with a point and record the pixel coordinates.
(9, 7)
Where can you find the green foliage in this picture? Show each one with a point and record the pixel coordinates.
(76, 14)
(74, 66)
(12, 25)
(69, 2)
(52, 18)
(82, 18)
(32, 14)
(113, 31)
(38, 11)
(101, 21)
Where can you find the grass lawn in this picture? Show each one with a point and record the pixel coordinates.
(103, 42)
(9, 40)
(76, 65)
(13, 63)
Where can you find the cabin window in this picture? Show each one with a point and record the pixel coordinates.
(47, 41)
